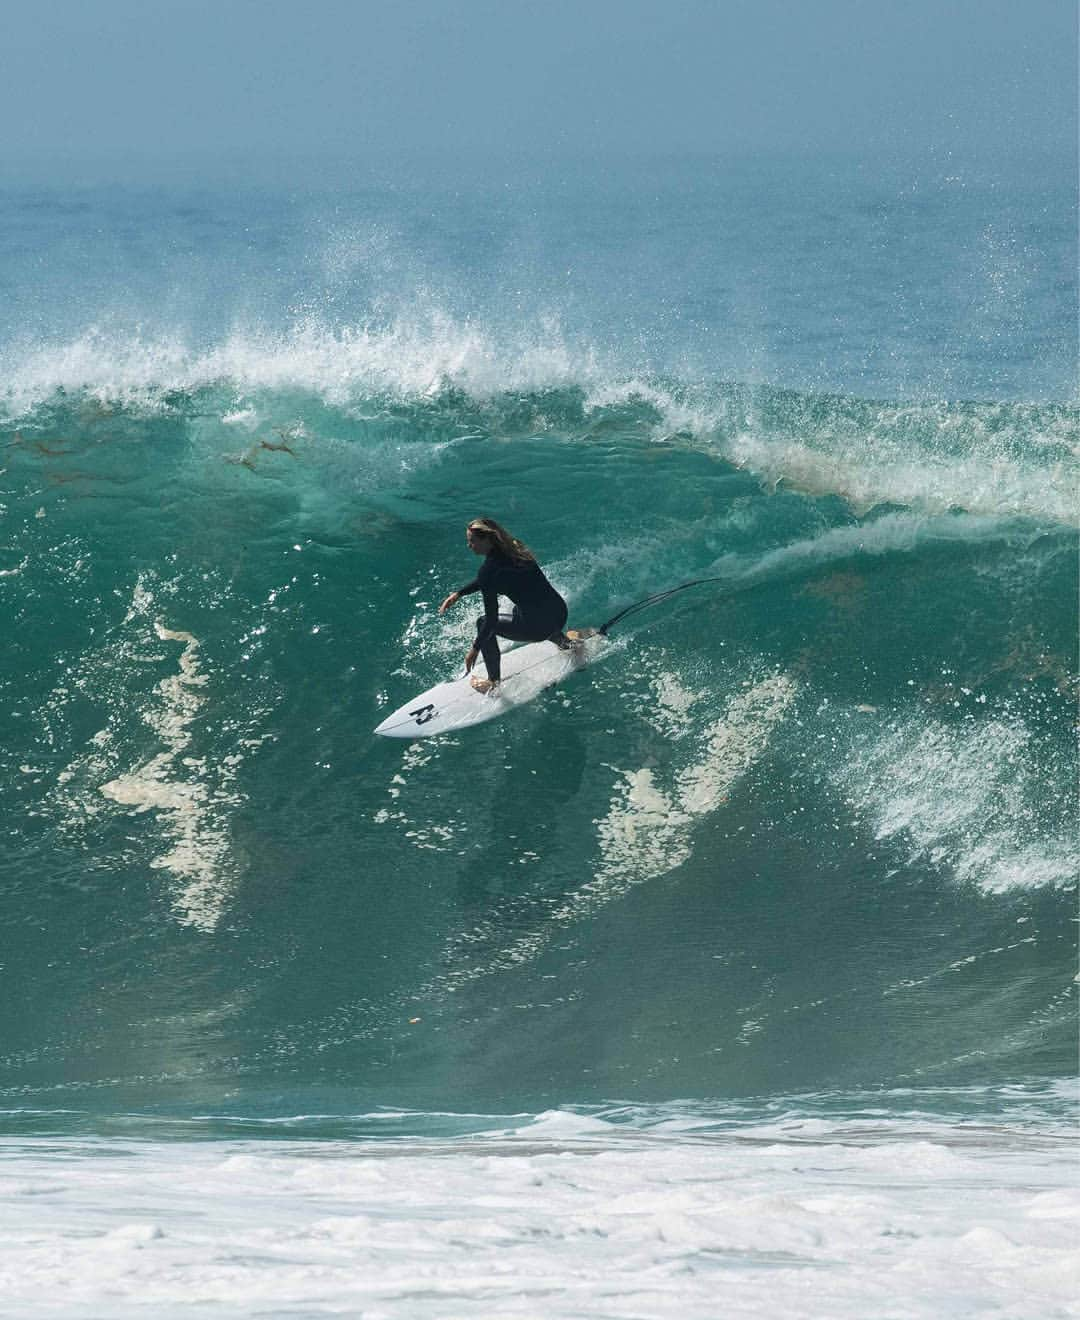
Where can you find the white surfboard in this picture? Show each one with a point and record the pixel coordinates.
(526, 671)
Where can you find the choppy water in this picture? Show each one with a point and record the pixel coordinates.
(798, 838)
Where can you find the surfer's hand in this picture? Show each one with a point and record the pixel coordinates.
(452, 599)
(470, 658)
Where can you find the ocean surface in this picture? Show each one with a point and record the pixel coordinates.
(735, 976)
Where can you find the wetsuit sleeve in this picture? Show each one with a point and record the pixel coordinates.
(491, 613)
(484, 581)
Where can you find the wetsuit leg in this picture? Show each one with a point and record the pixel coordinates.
(487, 639)
(516, 628)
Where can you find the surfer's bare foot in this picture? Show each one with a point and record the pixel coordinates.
(488, 685)
(573, 642)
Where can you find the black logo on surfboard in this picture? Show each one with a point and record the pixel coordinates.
(423, 713)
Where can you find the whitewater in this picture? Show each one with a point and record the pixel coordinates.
(737, 974)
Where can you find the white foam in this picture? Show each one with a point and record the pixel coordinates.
(564, 1217)
(199, 853)
(189, 798)
(676, 414)
(890, 534)
(960, 462)
(647, 831)
(245, 417)
(673, 712)
(962, 796)
(931, 457)
(414, 356)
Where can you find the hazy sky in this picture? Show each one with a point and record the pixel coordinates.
(157, 79)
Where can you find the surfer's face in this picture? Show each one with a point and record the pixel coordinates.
(479, 541)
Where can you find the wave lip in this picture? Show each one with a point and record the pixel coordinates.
(986, 458)
(405, 359)
(979, 476)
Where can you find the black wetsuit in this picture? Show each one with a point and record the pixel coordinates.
(539, 610)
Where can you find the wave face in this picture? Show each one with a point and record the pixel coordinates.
(807, 829)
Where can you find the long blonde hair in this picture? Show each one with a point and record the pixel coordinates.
(506, 544)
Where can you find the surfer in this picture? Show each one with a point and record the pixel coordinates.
(509, 569)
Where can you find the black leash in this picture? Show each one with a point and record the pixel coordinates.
(654, 600)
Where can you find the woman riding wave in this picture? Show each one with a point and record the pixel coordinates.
(509, 569)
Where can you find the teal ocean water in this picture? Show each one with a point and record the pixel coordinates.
(800, 844)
